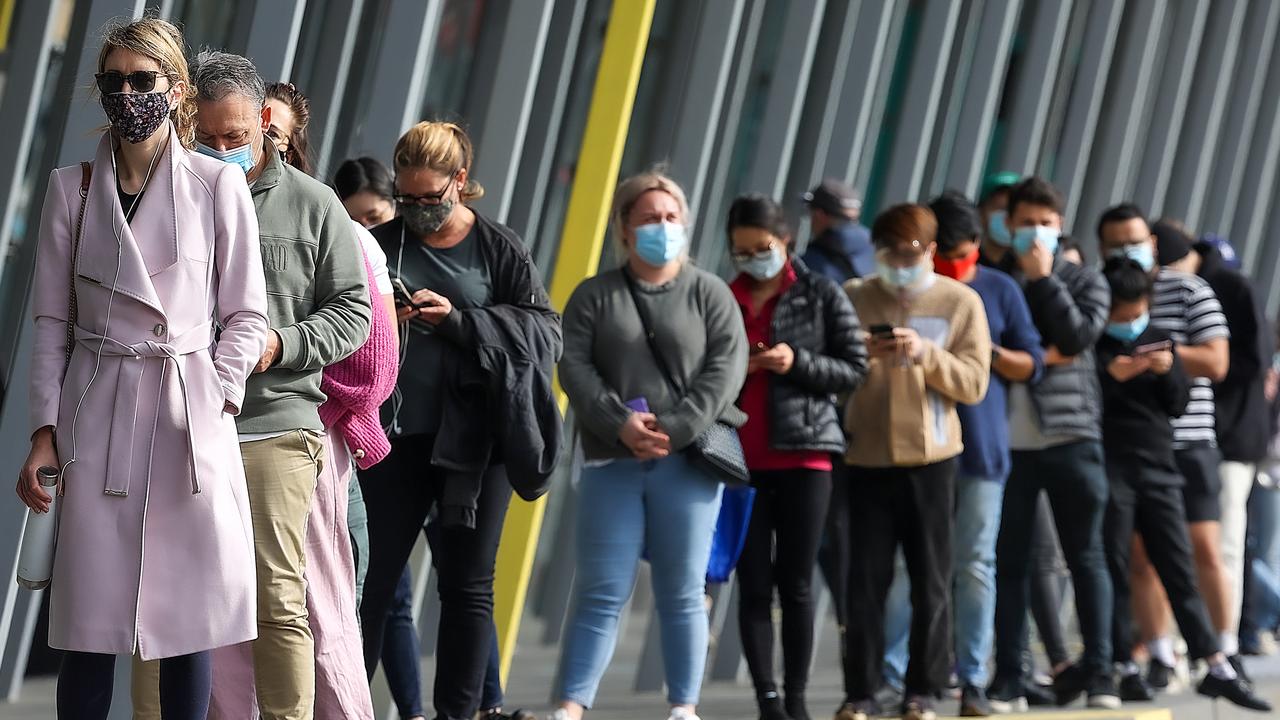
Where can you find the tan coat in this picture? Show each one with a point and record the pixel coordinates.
(905, 414)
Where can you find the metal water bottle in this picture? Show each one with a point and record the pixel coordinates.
(35, 561)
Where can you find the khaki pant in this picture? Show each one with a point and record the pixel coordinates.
(281, 473)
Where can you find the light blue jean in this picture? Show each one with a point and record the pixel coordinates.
(667, 510)
(1262, 551)
(978, 503)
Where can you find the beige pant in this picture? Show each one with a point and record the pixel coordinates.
(1237, 483)
(281, 473)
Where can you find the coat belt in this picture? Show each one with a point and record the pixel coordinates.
(133, 360)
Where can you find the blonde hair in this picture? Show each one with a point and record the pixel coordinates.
(163, 42)
(439, 146)
(629, 192)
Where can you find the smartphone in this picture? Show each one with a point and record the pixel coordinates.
(401, 293)
(638, 404)
(759, 348)
(1153, 347)
(882, 330)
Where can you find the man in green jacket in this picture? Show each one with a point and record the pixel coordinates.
(319, 313)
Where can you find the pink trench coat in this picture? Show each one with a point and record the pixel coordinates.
(155, 547)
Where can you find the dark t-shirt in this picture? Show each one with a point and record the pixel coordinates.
(127, 203)
(458, 273)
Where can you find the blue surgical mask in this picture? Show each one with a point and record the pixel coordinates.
(902, 277)
(660, 243)
(1045, 235)
(763, 266)
(1129, 331)
(1140, 253)
(242, 156)
(998, 228)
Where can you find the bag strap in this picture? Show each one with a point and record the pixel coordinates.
(650, 338)
(86, 174)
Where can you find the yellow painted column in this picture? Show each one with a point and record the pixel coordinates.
(6, 20)
(578, 258)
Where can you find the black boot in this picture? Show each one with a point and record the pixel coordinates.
(796, 707)
(771, 707)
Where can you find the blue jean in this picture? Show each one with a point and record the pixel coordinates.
(978, 505)
(400, 652)
(1262, 554)
(668, 509)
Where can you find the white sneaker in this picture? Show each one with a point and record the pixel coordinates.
(559, 714)
(680, 714)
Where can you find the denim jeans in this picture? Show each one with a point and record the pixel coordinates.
(666, 508)
(1076, 482)
(973, 543)
(1262, 554)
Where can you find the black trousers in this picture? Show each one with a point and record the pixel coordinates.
(85, 682)
(833, 554)
(399, 493)
(781, 550)
(1048, 582)
(911, 507)
(1157, 513)
(1076, 482)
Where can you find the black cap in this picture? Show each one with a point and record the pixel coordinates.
(1172, 242)
(835, 197)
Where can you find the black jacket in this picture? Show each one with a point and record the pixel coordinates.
(814, 316)
(1241, 411)
(1136, 431)
(499, 406)
(1070, 309)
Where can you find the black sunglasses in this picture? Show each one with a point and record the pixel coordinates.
(142, 81)
(430, 199)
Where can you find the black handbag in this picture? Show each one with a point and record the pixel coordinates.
(718, 449)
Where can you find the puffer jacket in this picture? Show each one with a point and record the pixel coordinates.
(1070, 309)
(817, 320)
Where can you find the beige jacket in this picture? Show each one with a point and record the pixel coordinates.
(905, 413)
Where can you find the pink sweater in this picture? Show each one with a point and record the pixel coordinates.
(358, 385)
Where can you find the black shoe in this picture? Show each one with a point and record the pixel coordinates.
(796, 707)
(1069, 684)
(1007, 695)
(973, 702)
(1237, 664)
(918, 707)
(1158, 675)
(1134, 689)
(1039, 695)
(1102, 692)
(888, 696)
(858, 710)
(515, 715)
(771, 708)
(1235, 691)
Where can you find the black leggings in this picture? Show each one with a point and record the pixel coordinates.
(787, 520)
(85, 682)
(399, 493)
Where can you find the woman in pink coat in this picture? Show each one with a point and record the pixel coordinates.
(154, 553)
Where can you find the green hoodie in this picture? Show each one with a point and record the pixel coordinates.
(317, 297)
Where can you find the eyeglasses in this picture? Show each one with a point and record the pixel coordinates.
(762, 254)
(142, 81)
(429, 199)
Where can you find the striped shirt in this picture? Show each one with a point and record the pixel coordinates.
(1186, 307)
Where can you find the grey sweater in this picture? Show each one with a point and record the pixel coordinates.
(607, 361)
(317, 296)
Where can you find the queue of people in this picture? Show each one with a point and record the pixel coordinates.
(377, 356)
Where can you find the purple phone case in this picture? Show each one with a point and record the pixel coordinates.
(638, 404)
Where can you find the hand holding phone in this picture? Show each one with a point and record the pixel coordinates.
(402, 295)
(1153, 347)
(882, 331)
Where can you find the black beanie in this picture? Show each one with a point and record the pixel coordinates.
(1172, 242)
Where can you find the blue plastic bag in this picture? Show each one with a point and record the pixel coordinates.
(731, 532)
